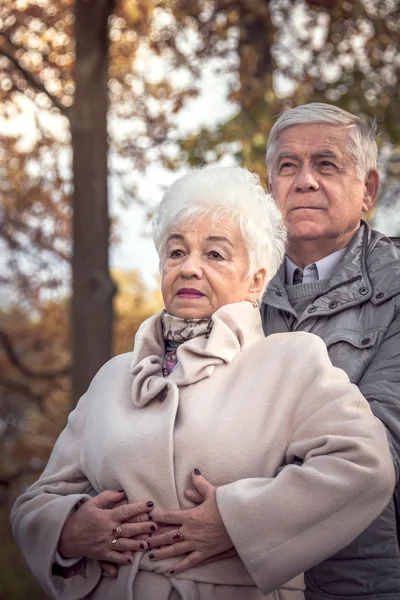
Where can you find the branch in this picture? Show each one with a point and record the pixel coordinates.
(14, 244)
(22, 389)
(35, 83)
(5, 481)
(16, 361)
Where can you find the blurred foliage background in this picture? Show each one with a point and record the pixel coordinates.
(90, 92)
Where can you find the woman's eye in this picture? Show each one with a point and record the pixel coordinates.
(215, 255)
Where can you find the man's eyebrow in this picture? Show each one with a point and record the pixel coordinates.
(325, 154)
(287, 155)
(219, 238)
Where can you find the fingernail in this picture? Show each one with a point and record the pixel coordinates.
(196, 472)
(121, 491)
(152, 528)
(142, 546)
(172, 571)
(150, 504)
(151, 556)
(150, 517)
(131, 559)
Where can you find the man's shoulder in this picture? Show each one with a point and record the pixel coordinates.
(383, 262)
(378, 241)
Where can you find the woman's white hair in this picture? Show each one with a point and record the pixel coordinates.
(229, 193)
(361, 138)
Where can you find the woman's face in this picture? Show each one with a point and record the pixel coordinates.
(205, 266)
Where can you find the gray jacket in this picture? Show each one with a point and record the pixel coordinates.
(358, 317)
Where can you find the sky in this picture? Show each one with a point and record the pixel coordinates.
(136, 249)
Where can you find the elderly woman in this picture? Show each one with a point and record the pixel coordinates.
(293, 463)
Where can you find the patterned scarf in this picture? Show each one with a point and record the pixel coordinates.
(176, 331)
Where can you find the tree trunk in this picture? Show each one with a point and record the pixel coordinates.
(93, 288)
(256, 63)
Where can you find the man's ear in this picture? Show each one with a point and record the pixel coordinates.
(269, 186)
(371, 189)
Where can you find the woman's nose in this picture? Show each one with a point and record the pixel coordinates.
(191, 267)
(306, 180)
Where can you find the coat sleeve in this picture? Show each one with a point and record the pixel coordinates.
(39, 514)
(285, 525)
(380, 385)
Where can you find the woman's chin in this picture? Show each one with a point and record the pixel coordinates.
(190, 312)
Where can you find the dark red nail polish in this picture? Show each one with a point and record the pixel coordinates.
(150, 517)
(142, 546)
(172, 571)
(151, 556)
(150, 504)
(121, 492)
(152, 528)
(196, 472)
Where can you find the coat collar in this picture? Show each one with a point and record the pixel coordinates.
(370, 269)
(235, 326)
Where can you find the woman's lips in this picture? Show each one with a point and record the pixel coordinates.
(189, 293)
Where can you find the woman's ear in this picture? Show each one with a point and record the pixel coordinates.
(257, 284)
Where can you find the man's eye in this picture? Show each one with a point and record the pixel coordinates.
(286, 165)
(326, 163)
(175, 253)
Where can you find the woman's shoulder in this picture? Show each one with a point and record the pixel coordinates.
(116, 367)
(117, 362)
(298, 349)
(295, 342)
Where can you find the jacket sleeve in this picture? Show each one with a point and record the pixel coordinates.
(39, 514)
(283, 526)
(380, 385)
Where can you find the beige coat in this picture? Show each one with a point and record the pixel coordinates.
(238, 406)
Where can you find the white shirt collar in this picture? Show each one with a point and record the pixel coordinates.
(324, 267)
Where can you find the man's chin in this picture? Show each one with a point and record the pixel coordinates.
(305, 232)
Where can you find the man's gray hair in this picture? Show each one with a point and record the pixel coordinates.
(233, 194)
(361, 138)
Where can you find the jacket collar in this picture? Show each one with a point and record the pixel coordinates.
(235, 326)
(369, 268)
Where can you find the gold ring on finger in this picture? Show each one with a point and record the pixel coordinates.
(114, 543)
(178, 537)
(117, 531)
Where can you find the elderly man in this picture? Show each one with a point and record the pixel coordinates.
(341, 281)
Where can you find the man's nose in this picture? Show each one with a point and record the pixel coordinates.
(306, 180)
(191, 267)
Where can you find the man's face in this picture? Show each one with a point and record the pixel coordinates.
(315, 183)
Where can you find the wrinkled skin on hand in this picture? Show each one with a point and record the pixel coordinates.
(89, 530)
(205, 538)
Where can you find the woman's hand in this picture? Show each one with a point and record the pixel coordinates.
(91, 530)
(201, 528)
